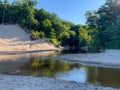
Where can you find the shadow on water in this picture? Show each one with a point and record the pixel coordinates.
(73, 51)
(43, 64)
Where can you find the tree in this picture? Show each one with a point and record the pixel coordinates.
(56, 30)
(47, 27)
(104, 22)
(5, 9)
(84, 37)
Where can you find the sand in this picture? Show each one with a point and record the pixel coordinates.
(14, 38)
(110, 58)
(8, 82)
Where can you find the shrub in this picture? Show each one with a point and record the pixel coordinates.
(55, 42)
(37, 35)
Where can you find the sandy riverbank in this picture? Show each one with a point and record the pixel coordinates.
(8, 82)
(109, 58)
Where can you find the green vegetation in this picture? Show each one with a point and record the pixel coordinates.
(105, 26)
(102, 29)
(37, 34)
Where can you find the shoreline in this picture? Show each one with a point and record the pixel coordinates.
(17, 82)
(107, 59)
(27, 51)
(13, 82)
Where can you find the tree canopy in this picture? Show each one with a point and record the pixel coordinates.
(102, 29)
(105, 21)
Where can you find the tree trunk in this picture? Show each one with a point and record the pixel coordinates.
(3, 19)
(9, 17)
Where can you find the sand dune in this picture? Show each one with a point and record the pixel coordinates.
(14, 38)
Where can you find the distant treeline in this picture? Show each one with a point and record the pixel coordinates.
(102, 29)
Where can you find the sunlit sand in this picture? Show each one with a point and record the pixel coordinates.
(14, 38)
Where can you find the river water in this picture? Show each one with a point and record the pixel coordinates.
(43, 64)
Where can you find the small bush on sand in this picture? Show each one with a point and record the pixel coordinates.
(37, 34)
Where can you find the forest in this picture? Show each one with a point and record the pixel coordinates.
(101, 31)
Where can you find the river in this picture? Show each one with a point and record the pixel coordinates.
(43, 64)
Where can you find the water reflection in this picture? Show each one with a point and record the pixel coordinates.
(45, 67)
(104, 76)
(76, 74)
(12, 62)
(43, 64)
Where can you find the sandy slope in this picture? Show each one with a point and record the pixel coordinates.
(14, 38)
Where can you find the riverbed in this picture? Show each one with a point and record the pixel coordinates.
(55, 71)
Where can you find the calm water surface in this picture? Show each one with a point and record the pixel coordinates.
(42, 64)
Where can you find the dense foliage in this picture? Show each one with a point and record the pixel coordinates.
(102, 29)
(105, 26)
(43, 24)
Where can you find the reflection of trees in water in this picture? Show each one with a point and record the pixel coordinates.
(104, 76)
(29, 63)
(45, 67)
(93, 75)
(109, 77)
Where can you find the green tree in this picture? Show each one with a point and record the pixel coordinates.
(47, 27)
(104, 22)
(84, 37)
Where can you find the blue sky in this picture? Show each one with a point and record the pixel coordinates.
(71, 10)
